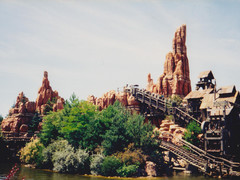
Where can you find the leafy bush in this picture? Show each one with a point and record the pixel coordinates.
(47, 153)
(32, 152)
(110, 165)
(62, 157)
(128, 171)
(193, 130)
(132, 156)
(96, 163)
(70, 161)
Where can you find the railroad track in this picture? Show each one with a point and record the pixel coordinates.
(195, 156)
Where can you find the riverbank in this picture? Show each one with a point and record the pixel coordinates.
(40, 174)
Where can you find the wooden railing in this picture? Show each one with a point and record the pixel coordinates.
(195, 156)
(22, 136)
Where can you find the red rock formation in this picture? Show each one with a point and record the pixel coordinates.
(59, 105)
(23, 111)
(46, 93)
(23, 128)
(175, 78)
(20, 114)
(112, 96)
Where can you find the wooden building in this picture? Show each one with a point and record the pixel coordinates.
(219, 112)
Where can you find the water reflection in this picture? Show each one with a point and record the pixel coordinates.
(38, 174)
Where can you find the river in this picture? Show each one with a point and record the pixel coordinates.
(39, 174)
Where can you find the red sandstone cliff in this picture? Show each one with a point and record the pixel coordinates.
(175, 78)
(23, 111)
(45, 94)
(112, 96)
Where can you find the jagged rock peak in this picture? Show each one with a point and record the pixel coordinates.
(45, 93)
(179, 40)
(175, 78)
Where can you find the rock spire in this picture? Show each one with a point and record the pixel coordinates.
(175, 78)
(22, 113)
(45, 94)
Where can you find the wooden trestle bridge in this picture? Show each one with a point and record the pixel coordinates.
(152, 104)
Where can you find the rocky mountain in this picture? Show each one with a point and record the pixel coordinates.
(175, 79)
(21, 115)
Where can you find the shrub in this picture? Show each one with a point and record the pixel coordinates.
(70, 161)
(128, 171)
(193, 130)
(83, 161)
(110, 165)
(65, 161)
(96, 163)
(32, 152)
(62, 157)
(132, 156)
(47, 153)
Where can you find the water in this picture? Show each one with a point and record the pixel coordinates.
(39, 174)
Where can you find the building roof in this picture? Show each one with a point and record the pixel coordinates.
(206, 74)
(198, 94)
(207, 101)
(216, 106)
(227, 90)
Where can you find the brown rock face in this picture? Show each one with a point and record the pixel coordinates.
(169, 131)
(46, 93)
(30, 107)
(23, 128)
(175, 78)
(150, 169)
(22, 113)
(112, 96)
(59, 105)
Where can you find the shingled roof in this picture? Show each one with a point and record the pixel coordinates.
(206, 74)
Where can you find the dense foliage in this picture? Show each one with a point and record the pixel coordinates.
(193, 130)
(81, 139)
(32, 152)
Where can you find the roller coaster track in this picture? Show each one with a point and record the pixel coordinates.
(159, 102)
(195, 156)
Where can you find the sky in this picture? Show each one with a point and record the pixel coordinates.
(93, 46)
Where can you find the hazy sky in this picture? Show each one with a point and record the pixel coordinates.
(93, 46)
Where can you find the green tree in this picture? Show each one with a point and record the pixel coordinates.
(193, 130)
(33, 125)
(116, 137)
(75, 122)
(51, 127)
